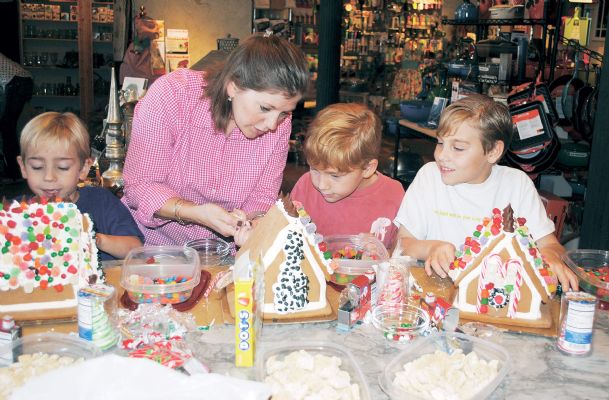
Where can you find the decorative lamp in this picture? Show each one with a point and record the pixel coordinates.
(115, 146)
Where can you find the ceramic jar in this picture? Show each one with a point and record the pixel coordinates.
(466, 12)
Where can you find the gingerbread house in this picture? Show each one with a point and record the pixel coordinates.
(500, 275)
(295, 270)
(47, 251)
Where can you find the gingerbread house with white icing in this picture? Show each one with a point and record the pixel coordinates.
(295, 270)
(500, 275)
(47, 251)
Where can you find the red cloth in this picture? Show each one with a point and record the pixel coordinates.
(356, 213)
(176, 152)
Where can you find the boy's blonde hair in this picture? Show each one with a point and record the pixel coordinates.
(343, 136)
(491, 118)
(52, 128)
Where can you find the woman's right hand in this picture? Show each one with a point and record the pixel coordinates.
(215, 218)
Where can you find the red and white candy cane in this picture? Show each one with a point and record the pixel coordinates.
(392, 293)
(481, 282)
(517, 284)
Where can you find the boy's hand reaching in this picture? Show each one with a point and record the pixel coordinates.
(441, 255)
(551, 249)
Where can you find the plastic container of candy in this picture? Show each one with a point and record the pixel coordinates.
(592, 269)
(354, 255)
(275, 352)
(212, 251)
(429, 376)
(160, 274)
(51, 343)
(400, 323)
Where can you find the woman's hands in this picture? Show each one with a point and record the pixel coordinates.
(216, 218)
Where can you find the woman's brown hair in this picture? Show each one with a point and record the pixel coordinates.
(260, 64)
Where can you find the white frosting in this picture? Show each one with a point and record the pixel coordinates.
(310, 236)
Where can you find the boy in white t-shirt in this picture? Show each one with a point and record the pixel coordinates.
(449, 197)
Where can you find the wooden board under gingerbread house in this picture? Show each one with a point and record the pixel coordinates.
(443, 287)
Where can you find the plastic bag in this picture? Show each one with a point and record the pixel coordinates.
(116, 378)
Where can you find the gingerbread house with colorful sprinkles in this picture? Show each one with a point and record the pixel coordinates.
(499, 272)
(295, 270)
(47, 251)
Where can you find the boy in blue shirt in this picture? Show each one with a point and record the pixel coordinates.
(450, 196)
(55, 156)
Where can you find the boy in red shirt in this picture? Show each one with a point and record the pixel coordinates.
(343, 192)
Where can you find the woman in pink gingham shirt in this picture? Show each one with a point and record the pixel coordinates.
(209, 148)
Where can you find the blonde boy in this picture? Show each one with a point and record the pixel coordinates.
(55, 156)
(449, 197)
(343, 192)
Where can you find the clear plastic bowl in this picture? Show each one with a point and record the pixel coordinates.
(160, 274)
(212, 251)
(348, 363)
(445, 342)
(400, 323)
(585, 263)
(51, 343)
(371, 249)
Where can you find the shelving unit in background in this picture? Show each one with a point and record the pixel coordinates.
(65, 45)
(296, 20)
(380, 35)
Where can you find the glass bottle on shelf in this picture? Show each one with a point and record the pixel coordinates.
(69, 89)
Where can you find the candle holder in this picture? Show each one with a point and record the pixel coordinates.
(115, 145)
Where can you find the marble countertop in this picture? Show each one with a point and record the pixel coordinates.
(538, 369)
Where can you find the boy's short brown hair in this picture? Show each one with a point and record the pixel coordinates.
(53, 127)
(491, 118)
(344, 136)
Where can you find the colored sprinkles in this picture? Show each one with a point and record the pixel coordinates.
(40, 245)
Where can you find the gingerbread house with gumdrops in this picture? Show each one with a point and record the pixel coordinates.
(500, 275)
(295, 269)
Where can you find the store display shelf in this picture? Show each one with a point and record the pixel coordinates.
(54, 96)
(581, 49)
(62, 21)
(47, 39)
(50, 67)
(521, 21)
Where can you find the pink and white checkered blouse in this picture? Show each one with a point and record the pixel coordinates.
(175, 151)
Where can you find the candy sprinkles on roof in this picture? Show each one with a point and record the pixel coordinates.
(44, 244)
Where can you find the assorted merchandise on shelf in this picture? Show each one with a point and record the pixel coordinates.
(49, 37)
(378, 36)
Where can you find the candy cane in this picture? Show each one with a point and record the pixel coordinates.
(501, 266)
(481, 280)
(517, 284)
